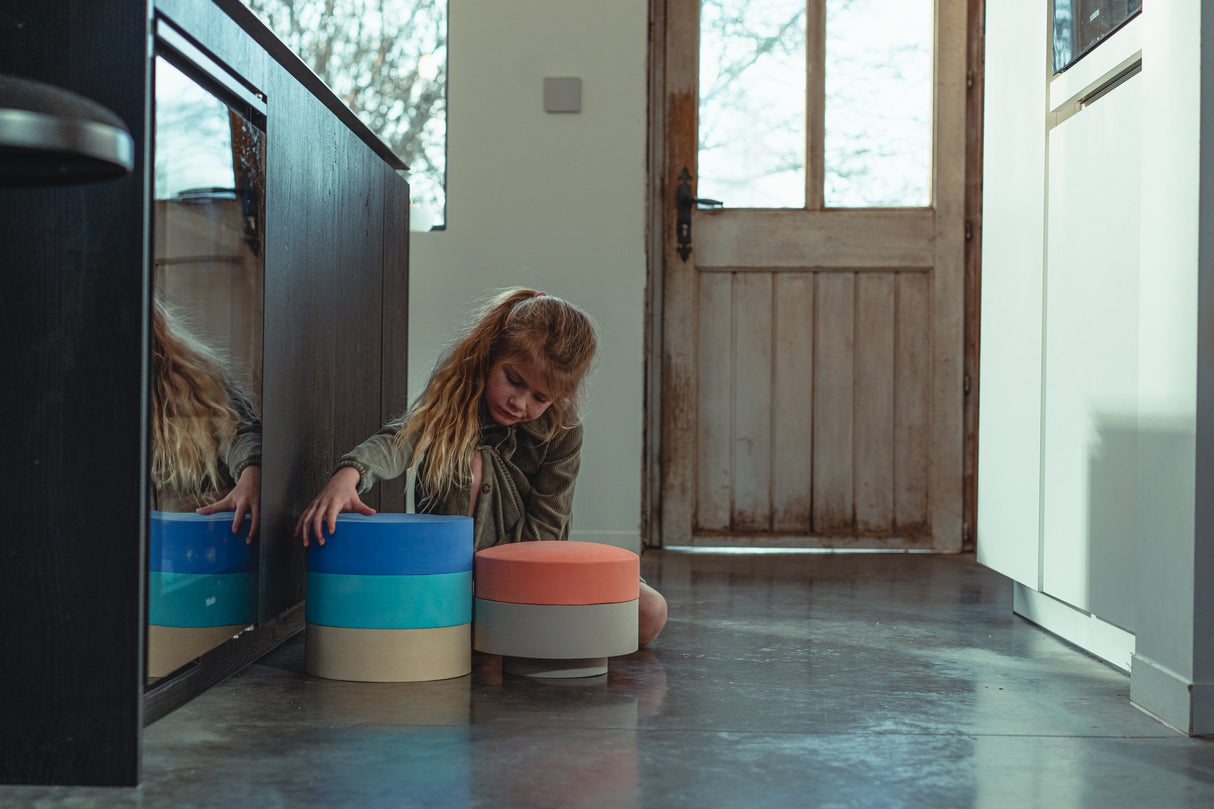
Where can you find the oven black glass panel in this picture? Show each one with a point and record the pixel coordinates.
(1079, 25)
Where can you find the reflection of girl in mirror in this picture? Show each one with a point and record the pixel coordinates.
(206, 440)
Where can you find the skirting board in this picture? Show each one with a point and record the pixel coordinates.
(1174, 700)
(1111, 644)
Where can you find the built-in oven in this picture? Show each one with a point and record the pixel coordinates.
(1080, 25)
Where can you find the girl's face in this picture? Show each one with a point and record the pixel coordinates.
(516, 393)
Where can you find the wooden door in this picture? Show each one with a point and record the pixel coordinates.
(812, 365)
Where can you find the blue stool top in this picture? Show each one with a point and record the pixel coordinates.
(395, 544)
(193, 543)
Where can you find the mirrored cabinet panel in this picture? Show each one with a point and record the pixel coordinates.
(207, 312)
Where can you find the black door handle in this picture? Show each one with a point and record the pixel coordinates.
(686, 199)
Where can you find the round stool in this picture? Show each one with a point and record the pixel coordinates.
(390, 599)
(202, 586)
(556, 609)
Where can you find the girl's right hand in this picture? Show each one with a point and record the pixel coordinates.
(339, 494)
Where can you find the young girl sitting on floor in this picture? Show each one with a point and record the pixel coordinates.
(496, 431)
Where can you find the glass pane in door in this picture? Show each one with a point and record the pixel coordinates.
(878, 103)
(752, 103)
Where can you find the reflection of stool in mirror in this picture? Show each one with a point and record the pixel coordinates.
(390, 599)
(202, 586)
(556, 609)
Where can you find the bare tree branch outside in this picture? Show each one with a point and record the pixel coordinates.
(752, 148)
(387, 60)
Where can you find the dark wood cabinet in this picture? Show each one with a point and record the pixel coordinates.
(74, 319)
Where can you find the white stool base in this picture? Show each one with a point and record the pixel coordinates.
(555, 631)
(555, 669)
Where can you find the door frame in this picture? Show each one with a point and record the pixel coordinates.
(659, 127)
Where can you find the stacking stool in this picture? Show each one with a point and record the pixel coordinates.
(556, 609)
(202, 586)
(390, 599)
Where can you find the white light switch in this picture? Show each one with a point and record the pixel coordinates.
(562, 94)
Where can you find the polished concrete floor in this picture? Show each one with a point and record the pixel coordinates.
(782, 680)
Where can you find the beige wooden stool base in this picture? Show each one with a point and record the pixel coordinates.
(388, 655)
(171, 647)
(555, 669)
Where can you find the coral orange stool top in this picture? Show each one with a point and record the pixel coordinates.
(556, 609)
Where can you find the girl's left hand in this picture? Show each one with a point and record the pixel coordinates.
(245, 498)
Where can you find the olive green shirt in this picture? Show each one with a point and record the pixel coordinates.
(527, 483)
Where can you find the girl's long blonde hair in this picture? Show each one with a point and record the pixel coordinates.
(520, 326)
(193, 418)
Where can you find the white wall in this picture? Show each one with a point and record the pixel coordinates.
(1165, 678)
(551, 201)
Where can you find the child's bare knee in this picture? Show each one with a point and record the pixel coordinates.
(652, 615)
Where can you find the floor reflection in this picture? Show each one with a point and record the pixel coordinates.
(780, 681)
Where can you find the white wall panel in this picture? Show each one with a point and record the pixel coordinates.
(554, 201)
(1091, 353)
(1013, 235)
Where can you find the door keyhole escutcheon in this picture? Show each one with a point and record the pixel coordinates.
(685, 200)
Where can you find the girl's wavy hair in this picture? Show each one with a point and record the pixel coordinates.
(192, 414)
(516, 326)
